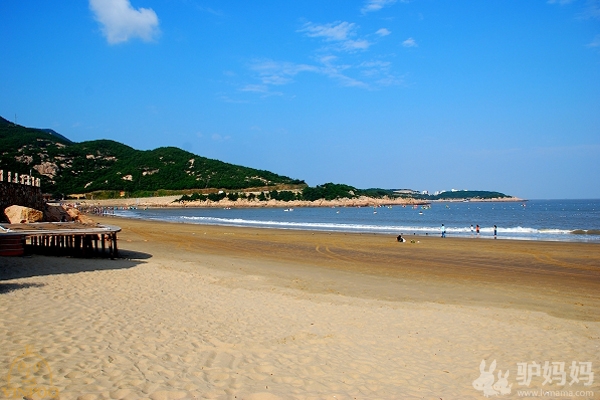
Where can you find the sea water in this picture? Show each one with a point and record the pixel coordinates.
(559, 220)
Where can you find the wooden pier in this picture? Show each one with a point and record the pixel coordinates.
(59, 238)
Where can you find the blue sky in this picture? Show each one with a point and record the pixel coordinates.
(429, 95)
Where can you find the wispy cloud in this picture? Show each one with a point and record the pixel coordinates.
(279, 73)
(592, 10)
(376, 5)
(274, 73)
(340, 43)
(379, 72)
(263, 90)
(340, 35)
(595, 42)
(120, 22)
(255, 88)
(360, 44)
(410, 42)
(330, 68)
(335, 31)
(561, 2)
(209, 10)
(383, 32)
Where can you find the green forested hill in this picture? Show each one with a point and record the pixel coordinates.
(67, 168)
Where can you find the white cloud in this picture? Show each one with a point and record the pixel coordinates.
(379, 72)
(410, 42)
(335, 31)
(376, 5)
(383, 32)
(120, 21)
(356, 44)
(279, 73)
(336, 71)
(262, 89)
(255, 88)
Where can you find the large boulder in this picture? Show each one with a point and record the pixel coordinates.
(23, 215)
(56, 213)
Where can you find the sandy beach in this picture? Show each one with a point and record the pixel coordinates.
(193, 311)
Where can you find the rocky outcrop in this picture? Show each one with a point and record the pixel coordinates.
(56, 213)
(47, 169)
(63, 213)
(22, 215)
(79, 217)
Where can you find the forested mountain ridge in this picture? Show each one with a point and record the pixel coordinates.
(68, 168)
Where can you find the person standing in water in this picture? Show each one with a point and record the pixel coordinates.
(443, 231)
(477, 230)
(495, 231)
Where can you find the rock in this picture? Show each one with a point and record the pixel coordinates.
(22, 215)
(84, 219)
(73, 213)
(56, 213)
(47, 169)
(63, 213)
(79, 217)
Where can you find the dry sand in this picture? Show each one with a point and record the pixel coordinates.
(195, 311)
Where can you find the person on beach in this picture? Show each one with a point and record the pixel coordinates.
(477, 230)
(400, 239)
(471, 229)
(495, 231)
(443, 231)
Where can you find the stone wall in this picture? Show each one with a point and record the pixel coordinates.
(21, 195)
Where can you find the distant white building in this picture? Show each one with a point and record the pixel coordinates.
(425, 192)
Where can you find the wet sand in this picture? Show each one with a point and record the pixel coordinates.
(194, 311)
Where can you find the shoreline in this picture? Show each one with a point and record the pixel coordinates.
(169, 202)
(578, 233)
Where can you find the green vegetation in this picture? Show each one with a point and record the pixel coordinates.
(110, 168)
(468, 194)
(332, 191)
(328, 191)
(460, 195)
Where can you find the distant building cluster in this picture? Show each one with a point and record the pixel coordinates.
(426, 192)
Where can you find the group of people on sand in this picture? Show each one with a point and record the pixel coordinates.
(477, 231)
(443, 230)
